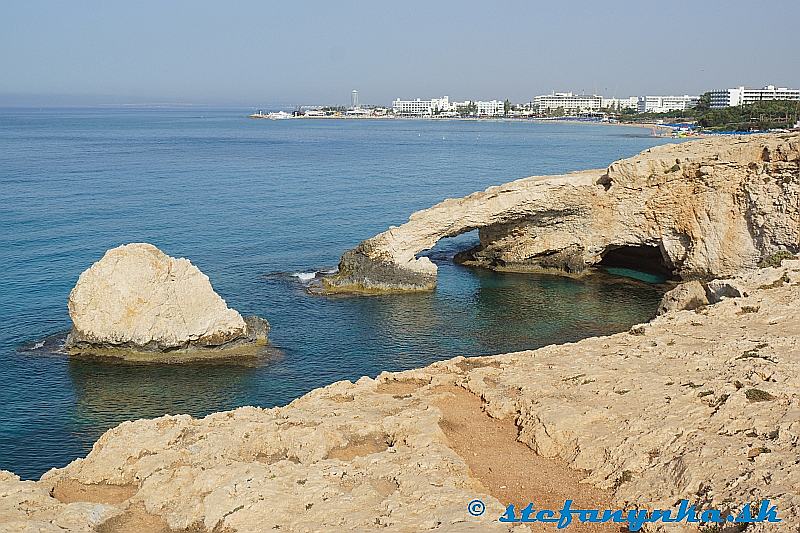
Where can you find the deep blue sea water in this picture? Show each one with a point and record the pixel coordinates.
(251, 202)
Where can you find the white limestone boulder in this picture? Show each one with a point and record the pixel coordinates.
(137, 298)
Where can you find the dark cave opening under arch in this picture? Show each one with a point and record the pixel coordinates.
(644, 258)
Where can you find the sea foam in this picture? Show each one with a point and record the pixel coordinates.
(305, 277)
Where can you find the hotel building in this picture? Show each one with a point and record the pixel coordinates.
(421, 108)
(741, 95)
(665, 104)
(568, 102)
(621, 103)
(412, 108)
(493, 108)
(443, 106)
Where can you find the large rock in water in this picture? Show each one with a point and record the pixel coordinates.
(697, 210)
(139, 299)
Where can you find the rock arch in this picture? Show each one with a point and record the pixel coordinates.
(701, 203)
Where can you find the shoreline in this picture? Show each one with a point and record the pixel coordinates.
(664, 130)
(74, 377)
(626, 124)
(405, 451)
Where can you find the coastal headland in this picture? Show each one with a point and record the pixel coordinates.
(700, 403)
(697, 210)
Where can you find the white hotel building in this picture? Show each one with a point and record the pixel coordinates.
(741, 95)
(493, 108)
(443, 106)
(568, 102)
(665, 104)
(418, 107)
(621, 103)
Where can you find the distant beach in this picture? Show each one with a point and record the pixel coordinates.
(663, 131)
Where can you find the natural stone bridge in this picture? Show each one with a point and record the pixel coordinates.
(701, 209)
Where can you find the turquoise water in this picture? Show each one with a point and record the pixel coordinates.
(647, 277)
(251, 203)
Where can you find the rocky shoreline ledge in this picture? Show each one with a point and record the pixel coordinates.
(702, 209)
(700, 405)
(138, 303)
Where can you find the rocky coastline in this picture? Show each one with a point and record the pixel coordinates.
(703, 209)
(699, 404)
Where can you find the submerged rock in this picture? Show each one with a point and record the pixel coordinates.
(703, 209)
(138, 299)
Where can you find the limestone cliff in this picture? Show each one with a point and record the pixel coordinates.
(697, 210)
(701, 405)
(138, 299)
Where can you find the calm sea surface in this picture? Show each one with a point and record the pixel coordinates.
(252, 202)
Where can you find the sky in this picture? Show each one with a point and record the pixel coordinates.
(303, 52)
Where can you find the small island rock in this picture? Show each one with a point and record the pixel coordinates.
(139, 299)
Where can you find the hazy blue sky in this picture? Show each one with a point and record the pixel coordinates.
(301, 52)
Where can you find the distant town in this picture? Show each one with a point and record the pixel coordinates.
(783, 112)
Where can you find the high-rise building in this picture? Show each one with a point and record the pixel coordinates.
(354, 99)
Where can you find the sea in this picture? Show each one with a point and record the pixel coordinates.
(261, 207)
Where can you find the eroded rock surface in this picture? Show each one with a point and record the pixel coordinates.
(138, 299)
(686, 296)
(697, 210)
(701, 405)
